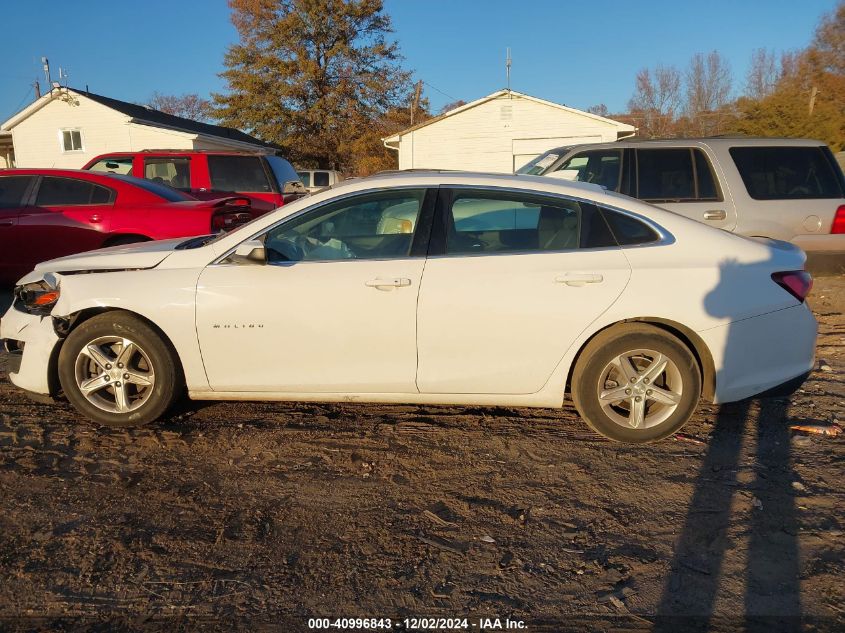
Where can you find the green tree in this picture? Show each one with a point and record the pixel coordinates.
(314, 76)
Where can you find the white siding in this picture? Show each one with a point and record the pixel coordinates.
(38, 140)
(496, 134)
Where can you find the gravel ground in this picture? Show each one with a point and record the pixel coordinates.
(259, 516)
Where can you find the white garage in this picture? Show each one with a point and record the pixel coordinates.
(499, 133)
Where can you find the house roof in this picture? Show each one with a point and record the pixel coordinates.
(141, 114)
(394, 138)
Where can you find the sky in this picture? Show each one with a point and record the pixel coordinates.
(575, 53)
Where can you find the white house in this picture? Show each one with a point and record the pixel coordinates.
(68, 127)
(499, 133)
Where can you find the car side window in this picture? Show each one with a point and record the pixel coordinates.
(371, 226)
(600, 167)
(629, 231)
(238, 173)
(115, 165)
(172, 171)
(492, 222)
(68, 192)
(321, 179)
(12, 190)
(787, 173)
(675, 175)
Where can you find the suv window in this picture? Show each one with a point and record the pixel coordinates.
(674, 175)
(371, 226)
(787, 173)
(117, 165)
(69, 192)
(493, 222)
(321, 179)
(238, 173)
(12, 189)
(601, 167)
(172, 171)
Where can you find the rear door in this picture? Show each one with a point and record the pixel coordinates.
(683, 180)
(14, 257)
(68, 215)
(511, 280)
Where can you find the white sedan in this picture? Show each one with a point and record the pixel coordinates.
(429, 288)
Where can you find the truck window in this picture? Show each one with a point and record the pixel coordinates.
(169, 170)
(787, 173)
(238, 173)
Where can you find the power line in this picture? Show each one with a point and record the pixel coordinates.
(438, 90)
(22, 101)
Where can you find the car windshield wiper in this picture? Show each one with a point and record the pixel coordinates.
(195, 242)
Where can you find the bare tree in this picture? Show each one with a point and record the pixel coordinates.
(763, 74)
(187, 106)
(829, 42)
(599, 110)
(452, 105)
(709, 84)
(656, 100)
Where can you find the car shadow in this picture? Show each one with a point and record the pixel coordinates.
(734, 503)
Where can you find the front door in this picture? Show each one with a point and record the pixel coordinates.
(519, 277)
(334, 308)
(14, 262)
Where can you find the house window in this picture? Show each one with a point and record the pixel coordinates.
(72, 140)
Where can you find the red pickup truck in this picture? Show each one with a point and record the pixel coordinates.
(269, 181)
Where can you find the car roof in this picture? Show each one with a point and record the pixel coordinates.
(733, 141)
(180, 152)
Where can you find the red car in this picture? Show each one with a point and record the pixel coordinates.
(48, 213)
(268, 180)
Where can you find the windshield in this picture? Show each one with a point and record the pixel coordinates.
(282, 170)
(539, 164)
(162, 191)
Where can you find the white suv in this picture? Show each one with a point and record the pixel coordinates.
(786, 189)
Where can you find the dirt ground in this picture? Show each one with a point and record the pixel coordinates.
(260, 516)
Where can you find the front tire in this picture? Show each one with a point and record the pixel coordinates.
(118, 371)
(636, 383)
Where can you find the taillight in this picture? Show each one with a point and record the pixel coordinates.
(228, 221)
(796, 282)
(839, 221)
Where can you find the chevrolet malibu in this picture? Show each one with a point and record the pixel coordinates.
(427, 288)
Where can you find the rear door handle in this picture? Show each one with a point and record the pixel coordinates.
(579, 279)
(393, 282)
(715, 214)
(6, 223)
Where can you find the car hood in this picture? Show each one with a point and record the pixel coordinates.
(127, 257)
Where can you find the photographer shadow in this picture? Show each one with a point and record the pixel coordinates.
(760, 508)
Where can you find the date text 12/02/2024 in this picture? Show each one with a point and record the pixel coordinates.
(418, 624)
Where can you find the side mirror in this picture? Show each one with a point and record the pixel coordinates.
(249, 253)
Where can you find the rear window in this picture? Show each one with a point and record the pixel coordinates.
(162, 191)
(69, 192)
(238, 173)
(787, 173)
(12, 189)
(321, 179)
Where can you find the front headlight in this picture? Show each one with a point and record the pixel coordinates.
(38, 297)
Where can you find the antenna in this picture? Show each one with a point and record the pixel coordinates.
(63, 75)
(508, 67)
(46, 63)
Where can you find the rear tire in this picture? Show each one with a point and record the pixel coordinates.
(636, 383)
(118, 371)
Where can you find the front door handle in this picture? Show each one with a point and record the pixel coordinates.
(715, 214)
(579, 279)
(393, 282)
(96, 217)
(6, 223)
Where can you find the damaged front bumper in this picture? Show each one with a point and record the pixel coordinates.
(36, 337)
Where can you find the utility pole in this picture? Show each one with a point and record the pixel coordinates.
(416, 101)
(508, 67)
(813, 93)
(37, 87)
